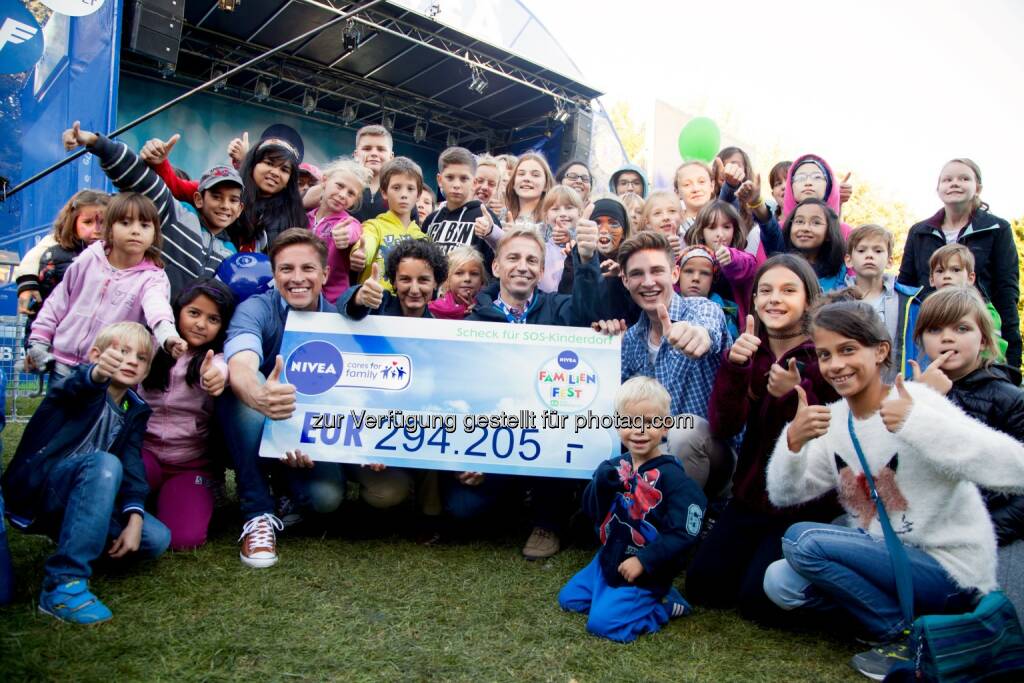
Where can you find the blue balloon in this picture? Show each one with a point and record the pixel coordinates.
(246, 274)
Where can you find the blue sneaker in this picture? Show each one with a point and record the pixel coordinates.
(74, 603)
(676, 604)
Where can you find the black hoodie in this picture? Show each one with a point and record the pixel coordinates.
(449, 229)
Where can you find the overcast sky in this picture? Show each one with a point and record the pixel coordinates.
(888, 89)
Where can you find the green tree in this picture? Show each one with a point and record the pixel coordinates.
(868, 205)
(633, 135)
(1018, 236)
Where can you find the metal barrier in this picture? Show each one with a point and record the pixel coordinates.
(12, 361)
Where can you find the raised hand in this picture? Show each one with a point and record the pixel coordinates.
(610, 268)
(357, 257)
(483, 225)
(176, 346)
(692, 341)
(894, 411)
(586, 238)
(723, 256)
(371, 292)
(610, 327)
(810, 422)
(75, 136)
(749, 191)
(845, 189)
(746, 346)
(782, 381)
(211, 379)
(340, 233)
(238, 148)
(734, 174)
(676, 244)
(107, 364)
(156, 151)
(276, 399)
(934, 376)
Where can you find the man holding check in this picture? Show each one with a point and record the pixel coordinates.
(252, 348)
(518, 265)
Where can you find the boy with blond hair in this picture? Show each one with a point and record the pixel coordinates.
(953, 266)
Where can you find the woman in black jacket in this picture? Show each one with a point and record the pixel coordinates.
(965, 219)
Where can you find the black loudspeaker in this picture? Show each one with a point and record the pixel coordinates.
(576, 137)
(156, 29)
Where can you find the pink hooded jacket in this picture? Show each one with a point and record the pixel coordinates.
(337, 260)
(94, 294)
(180, 424)
(789, 200)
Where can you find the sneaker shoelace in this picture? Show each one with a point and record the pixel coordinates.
(262, 530)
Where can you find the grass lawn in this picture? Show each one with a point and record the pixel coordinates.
(343, 608)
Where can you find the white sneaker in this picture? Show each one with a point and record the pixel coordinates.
(259, 542)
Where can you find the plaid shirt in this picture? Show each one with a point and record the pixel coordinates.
(688, 380)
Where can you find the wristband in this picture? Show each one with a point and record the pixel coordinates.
(756, 205)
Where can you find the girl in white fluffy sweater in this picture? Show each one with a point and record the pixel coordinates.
(926, 456)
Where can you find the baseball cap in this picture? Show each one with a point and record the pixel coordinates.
(217, 175)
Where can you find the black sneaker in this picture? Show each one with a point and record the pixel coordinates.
(877, 662)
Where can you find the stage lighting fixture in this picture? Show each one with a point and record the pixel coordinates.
(433, 9)
(388, 120)
(562, 113)
(309, 101)
(261, 90)
(228, 5)
(419, 132)
(217, 76)
(477, 82)
(350, 36)
(348, 114)
(453, 139)
(166, 69)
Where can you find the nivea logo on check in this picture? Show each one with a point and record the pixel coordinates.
(314, 367)
(568, 360)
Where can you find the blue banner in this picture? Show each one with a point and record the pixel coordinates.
(438, 394)
(73, 76)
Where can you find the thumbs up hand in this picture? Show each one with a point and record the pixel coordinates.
(483, 225)
(845, 189)
(781, 382)
(75, 136)
(894, 411)
(586, 238)
(340, 233)
(371, 292)
(176, 346)
(238, 148)
(274, 398)
(734, 174)
(211, 379)
(156, 151)
(810, 422)
(693, 341)
(723, 255)
(934, 375)
(744, 348)
(357, 257)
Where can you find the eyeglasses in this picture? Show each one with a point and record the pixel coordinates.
(629, 182)
(577, 178)
(804, 177)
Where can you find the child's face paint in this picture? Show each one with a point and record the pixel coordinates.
(89, 224)
(808, 230)
(199, 321)
(695, 277)
(609, 235)
(809, 181)
(963, 338)
(780, 300)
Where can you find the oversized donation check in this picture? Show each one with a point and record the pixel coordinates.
(448, 395)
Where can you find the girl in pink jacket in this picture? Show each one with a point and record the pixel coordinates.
(343, 183)
(181, 393)
(120, 279)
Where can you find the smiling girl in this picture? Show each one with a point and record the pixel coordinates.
(928, 488)
(695, 187)
(343, 183)
(530, 180)
(812, 230)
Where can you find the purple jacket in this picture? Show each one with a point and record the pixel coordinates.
(94, 294)
(741, 399)
(180, 423)
(337, 259)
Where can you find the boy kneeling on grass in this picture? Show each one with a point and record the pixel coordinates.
(649, 513)
(78, 476)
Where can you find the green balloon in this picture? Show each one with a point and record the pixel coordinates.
(699, 140)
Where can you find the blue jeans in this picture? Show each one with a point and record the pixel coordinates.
(79, 513)
(621, 613)
(320, 489)
(829, 566)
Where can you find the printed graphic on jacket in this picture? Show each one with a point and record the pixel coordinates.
(855, 494)
(448, 235)
(631, 506)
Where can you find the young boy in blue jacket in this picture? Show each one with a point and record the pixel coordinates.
(78, 474)
(649, 513)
